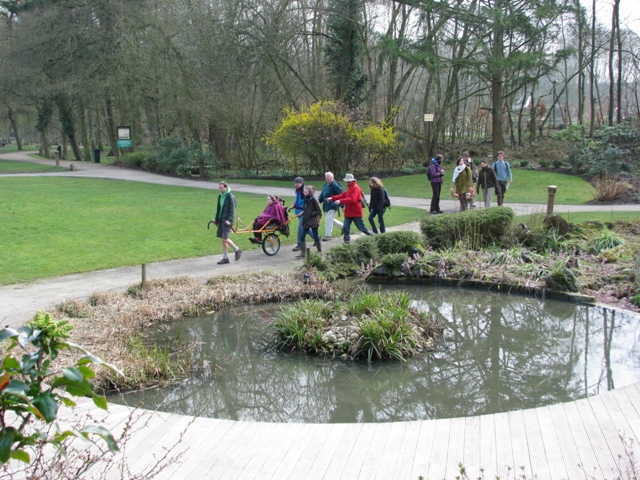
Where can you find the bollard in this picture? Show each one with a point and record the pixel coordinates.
(551, 198)
(57, 159)
(143, 283)
(72, 167)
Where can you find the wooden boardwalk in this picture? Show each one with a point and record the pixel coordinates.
(586, 439)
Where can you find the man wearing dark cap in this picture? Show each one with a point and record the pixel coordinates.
(298, 206)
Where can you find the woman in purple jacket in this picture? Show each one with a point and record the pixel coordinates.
(274, 211)
(435, 174)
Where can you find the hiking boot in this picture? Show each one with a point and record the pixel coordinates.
(297, 248)
(223, 261)
(238, 254)
(326, 239)
(318, 245)
(303, 249)
(255, 240)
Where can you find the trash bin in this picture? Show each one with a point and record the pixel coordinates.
(96, 155)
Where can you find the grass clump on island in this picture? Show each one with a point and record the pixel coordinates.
(365, 325)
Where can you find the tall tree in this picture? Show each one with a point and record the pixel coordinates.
(344, 49)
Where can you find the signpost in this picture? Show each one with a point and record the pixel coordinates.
(428, 119)
(124, 139)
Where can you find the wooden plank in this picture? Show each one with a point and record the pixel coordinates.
(344, 447)
(201, 440)
(504, 450)
(265, 463)
(323, 434)
(391, 453)
(424, 445)
(471, 446)
(408, 450)
(607, 413)
(235, 461)
(629, 407)
(373, 456)
(205, 466)
(597, 437)
(437, 467)
(522, 462)
(359, 451)
(553, 445)
(538, 458)
(300, 444)
(487, 449)
(589, 463)
(325, 453)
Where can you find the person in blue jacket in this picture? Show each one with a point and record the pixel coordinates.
(298, 207)
(503, 173)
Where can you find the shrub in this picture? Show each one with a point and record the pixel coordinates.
(544, 163)
(478, 228)
(524, 163)
(609, 187)
(606, 240)
(393, 261)
(398, 242)
(138, 159)
(32, 389)
(366, 248)
(557, 163)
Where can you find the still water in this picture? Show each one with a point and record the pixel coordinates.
(501, 352)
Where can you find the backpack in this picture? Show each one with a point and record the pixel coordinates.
(429, 173)
(387, 200)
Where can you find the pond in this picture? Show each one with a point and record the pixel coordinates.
(501, 353)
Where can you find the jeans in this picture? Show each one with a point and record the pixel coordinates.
(347, 227)
(380, 215)
(501, 188)
(301, 233)
(436, 188)
(487, 194)
(313, 232)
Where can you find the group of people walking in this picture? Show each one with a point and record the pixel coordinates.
(331, 201)
(468, 179)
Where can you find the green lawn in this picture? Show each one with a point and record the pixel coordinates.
(529, 186)
(9, 166)
(56, 226)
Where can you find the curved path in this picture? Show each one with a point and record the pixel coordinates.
(586, 439)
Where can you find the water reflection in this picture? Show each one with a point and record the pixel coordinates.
(501, 353)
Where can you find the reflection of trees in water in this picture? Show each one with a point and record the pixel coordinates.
(502, 353)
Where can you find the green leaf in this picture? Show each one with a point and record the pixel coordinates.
(86, 372)
(8, 333)
(104, 434)
(72, 373)
(47, 405)
(6, 440)
(100, 401)
(10, 363)
(16, 387)
(21, 456)
(67, 401)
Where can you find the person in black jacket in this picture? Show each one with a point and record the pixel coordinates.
(376, 204)
(487, 182)
(311, 215)
(225, 216)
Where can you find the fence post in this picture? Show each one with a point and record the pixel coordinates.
(143, 283)
(57, 159)
(551, 198)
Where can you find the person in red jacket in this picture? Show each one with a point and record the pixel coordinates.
(352, 201)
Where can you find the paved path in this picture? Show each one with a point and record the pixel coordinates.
(550, 442)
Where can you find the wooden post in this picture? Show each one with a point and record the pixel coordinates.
(551, 198)
(57, 159)
(143, 283)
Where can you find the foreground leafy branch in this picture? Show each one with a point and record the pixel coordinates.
(31, 391)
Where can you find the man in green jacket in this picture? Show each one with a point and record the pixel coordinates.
(225, 216)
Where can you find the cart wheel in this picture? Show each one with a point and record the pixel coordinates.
(271, 244)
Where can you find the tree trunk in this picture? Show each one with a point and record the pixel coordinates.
(592, 70)
(67, 123)
(111, 128)
(14, 124)
(86, 147)
(497, 135)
